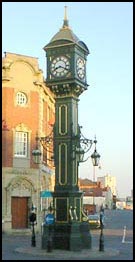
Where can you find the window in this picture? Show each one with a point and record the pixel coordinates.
(21, 144)
(21, 99)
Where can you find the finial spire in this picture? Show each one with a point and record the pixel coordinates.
(65, 13)
(65, 24)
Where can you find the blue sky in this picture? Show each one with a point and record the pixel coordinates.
(106, 108)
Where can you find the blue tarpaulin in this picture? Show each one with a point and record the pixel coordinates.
(45, 194)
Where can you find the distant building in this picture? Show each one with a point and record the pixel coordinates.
(124, 203)
(129, 202)
(109, 181)
(107, 193)
(95, 195)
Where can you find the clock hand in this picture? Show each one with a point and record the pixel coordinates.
(60, 67)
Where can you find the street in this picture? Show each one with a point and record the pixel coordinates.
(115, 238)
(115, 221)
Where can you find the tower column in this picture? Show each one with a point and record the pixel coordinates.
(66, 78)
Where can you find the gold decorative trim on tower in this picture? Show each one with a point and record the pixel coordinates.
(63, 164)
(63, 124)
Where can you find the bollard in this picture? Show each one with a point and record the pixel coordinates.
(49, 221)
(124, 235)
(49, 242)
(33, 239)
(33, 222)
(101, 240)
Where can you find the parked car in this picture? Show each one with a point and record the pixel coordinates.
(94, 221)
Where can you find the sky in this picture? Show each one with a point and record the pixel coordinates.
(106, 107)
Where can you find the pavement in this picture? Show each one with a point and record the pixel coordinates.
(59, 254)
(115, 248)
(65, 254)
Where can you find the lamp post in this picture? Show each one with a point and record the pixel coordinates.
(37, 159)
(101, 238)
(95, 161)
(36, 154)
(33, 222)
(49, 219)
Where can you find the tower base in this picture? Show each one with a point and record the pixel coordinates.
(68, 236)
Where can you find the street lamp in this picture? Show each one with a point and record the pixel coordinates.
(36, 154)
(45, 142)
(33, 222)
(80, 146)
(95, 157)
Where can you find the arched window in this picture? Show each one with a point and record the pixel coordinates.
(21, 99)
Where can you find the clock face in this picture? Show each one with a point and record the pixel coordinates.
(60, 66)
(80, 67)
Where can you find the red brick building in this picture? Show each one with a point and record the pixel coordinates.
(27, 110)
(95, 195)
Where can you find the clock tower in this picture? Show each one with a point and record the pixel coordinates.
(66, 78)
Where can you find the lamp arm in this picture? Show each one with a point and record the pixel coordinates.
(45, 147)
(85, 159)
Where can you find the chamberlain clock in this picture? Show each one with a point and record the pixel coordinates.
(80, 67)
(60, 66)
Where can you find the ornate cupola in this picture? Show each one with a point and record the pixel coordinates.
(66, 61)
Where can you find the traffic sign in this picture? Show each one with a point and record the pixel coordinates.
(49, 219)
